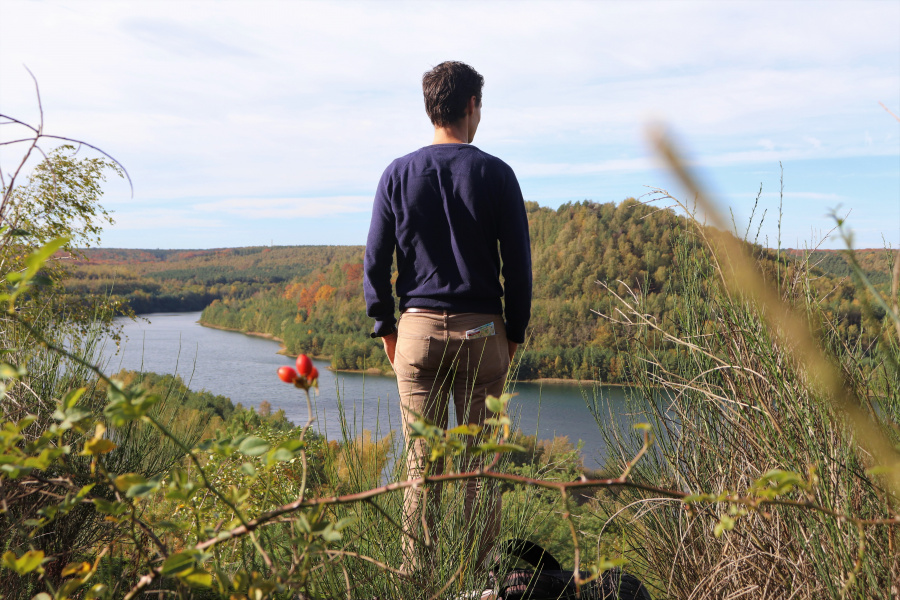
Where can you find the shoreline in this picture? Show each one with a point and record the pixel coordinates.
(267, 336)
(283, 350)
(375, 371)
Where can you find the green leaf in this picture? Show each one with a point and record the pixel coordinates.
(418, 428)
(142, 490)
(881, 469)
(98, 590)
(495, 447)
(109, 508)
(285, 451)
(282, 455)
(330, 535)
(42, 460)
(101, 446)
(494, 404)
(8, 371)
(784, 481)
(248, 469)
(509, 448)
(470, 429)
(26, 563)
(178, 562)
(71, 417)
(698, 498)
(36, 260)
(725, 523)
(253, 446)
(198, 579)
(72, 398)
(292, 445)
(13, 472)
(82, 568)
(123, 482)
(84, 491)
(126, 406)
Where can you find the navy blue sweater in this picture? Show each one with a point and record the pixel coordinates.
(444, 209)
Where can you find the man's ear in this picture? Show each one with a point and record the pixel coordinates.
(470, 107)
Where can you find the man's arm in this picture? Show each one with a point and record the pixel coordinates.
(378, 260)
(515, 252)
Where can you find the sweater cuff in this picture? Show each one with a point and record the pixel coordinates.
(515, 335)
(384, 327)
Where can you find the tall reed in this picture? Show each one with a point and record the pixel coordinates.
(737, 403)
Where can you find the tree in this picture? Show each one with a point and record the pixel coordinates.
(60, 200)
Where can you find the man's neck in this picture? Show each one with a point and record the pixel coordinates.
(457, 133)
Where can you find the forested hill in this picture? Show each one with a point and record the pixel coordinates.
(311, 296)
(181, 280)
(323, 312)
(875, 263)
(629, 245)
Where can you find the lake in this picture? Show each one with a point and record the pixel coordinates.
(244, 367)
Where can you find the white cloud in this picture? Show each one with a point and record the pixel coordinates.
(149, 219)
(312, 100)
(287, 208)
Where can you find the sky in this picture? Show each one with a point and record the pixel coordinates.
(254, 123)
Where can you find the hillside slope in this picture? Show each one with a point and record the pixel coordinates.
(630, 247)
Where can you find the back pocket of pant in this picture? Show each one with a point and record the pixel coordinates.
(414, 355)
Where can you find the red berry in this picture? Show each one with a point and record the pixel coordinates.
(287, 374)
(304, 365)
(313, 374)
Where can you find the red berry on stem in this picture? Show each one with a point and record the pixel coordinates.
(313, 374)
(287, 374)
(304, 365)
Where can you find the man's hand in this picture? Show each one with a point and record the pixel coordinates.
(512, 348)
(390, 346)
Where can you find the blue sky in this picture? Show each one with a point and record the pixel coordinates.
(252, 123)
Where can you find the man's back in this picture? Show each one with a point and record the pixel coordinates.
(447, 206)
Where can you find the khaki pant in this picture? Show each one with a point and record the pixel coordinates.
(434, 362)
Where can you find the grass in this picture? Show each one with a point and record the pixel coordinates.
(743, 402)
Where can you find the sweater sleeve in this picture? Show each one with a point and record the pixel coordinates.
(378, 260)
(515, 252)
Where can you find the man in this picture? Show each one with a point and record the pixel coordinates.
(444, 209)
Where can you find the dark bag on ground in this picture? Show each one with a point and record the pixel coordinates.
(547, 580)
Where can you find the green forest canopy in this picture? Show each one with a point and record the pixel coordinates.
(311, 296)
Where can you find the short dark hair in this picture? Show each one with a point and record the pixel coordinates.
(447, 89)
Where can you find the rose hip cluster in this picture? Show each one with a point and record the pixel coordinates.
(305, 376)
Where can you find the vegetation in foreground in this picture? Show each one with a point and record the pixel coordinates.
(772, 469)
